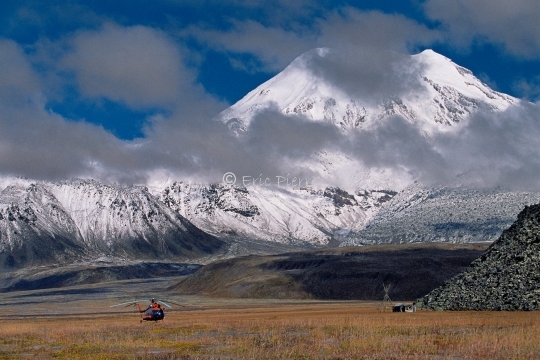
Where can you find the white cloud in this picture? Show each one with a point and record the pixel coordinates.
(143, 67)
(513, 23)
(138, 66)
(17, 79)
(37, 143)
(500, 150)
(353, 28)
(277, 47)
(529, 89)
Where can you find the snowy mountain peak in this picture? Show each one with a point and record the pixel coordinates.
(362, 93)
(352, 90)
(442, 74)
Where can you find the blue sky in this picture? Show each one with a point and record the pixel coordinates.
(124, 74)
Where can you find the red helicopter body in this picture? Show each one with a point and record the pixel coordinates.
(154, 311)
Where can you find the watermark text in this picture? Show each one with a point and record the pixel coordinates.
(288, 180)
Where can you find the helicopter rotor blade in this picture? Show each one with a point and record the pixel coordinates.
(167, 303)
(164, 303)
(129, 303)
(182, 305)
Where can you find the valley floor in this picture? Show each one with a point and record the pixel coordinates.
(78, 323)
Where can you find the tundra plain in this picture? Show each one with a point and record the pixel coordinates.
(78, 323)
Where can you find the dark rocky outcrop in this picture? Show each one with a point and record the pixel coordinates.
(505, 277)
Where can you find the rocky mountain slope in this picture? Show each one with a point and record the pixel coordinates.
(332, 216)
(505, 277)
(286, 215)
(43, 223)
(458, 215)
(81, 220)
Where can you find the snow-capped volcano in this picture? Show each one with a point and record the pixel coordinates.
(383, 105)
(427, 89)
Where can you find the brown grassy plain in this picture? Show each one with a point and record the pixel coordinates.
(271, 330)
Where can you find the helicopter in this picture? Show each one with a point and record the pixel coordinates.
(154, 311)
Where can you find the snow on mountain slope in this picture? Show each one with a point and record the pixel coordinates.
(80, 219)
(83, 219)
(272, 213)
(454, 92)
(444, 94)
(420, 214)
(35, 229)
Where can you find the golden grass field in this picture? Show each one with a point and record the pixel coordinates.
(267, 330)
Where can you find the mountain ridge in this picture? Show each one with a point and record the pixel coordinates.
(82, 219)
